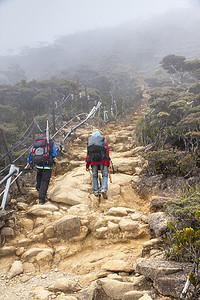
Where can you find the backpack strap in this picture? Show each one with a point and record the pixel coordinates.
(106, 154)
(50, 150)
(51, 147)
(47, 144)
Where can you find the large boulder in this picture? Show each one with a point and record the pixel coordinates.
(134, 295)
(126, 165)
(158, 222)
(168, 277)
(119, 211)
(117, 265)
(127, 224)
(32, 253)
(26, 224)
(150, 245)
(94, 291)
(116, 289)
(7, 250)
(65, 285)
(67, 227)
(42, 210)
(40, 293)
(67, 196)
(121, 179)
(71, 189)
(16, 269)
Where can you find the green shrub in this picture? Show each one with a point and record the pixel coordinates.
(184, 213)
(183, 210)
(184, 245)
(169, 162)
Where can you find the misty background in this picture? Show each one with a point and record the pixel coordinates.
(34, 22)
(111, 51)
(41, 39)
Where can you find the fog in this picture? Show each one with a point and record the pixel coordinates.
(33, 23)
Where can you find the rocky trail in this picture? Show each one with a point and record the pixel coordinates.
(76, 246)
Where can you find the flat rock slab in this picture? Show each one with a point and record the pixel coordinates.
(168, 277)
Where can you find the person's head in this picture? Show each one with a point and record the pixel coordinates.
(96, 133)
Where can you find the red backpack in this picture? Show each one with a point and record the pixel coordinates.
(41, 152)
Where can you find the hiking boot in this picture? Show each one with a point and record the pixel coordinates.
(42, 201)
(105, 196)
(96, 194)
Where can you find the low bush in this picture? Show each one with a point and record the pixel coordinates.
(169, 162)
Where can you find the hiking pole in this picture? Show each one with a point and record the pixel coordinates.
(109, 175)
(24, 169)
(112, 166)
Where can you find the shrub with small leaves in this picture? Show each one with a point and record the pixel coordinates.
(183, 210)
(169, 162)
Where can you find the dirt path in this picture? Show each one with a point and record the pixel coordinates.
(71, 192)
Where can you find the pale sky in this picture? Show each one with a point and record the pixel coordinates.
(32, 22)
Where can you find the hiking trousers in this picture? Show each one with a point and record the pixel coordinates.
(43, 178)
(104, 172)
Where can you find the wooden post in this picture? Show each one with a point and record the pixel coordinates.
(78, 97)
(86, 95)
(78, 89)
(86, 98)
(53, 111)
(32, 116)
(10, 156)
(70, 99)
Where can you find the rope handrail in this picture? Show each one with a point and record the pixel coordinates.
(15, 159)
(91, 113)
(67, 123)
(37, 123)
(25, 132)
(54, 107)
(15, 147)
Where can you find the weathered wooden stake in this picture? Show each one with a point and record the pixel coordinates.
(9, 155)
(53, 111)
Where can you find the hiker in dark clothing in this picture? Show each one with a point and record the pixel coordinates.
(99, 163)
(43, 163)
